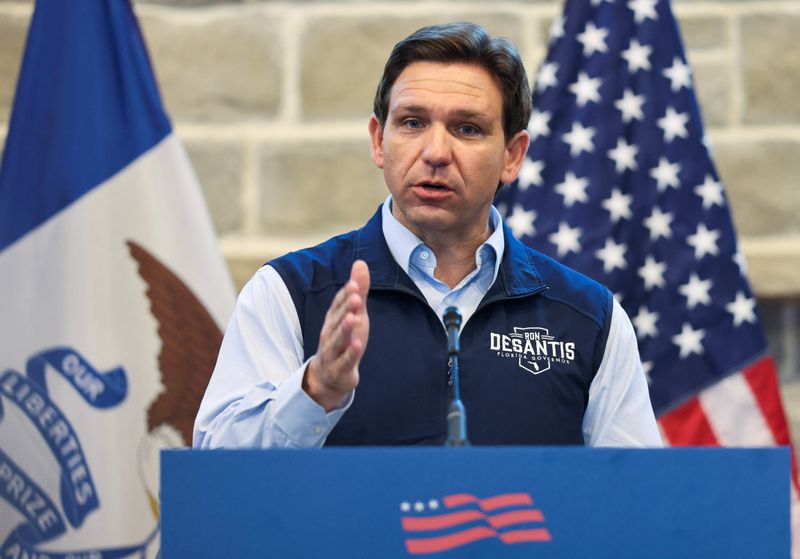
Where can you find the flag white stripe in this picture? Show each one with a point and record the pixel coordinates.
(734, 414)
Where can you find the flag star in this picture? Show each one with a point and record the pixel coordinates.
(419, 506)
(643, 9)
(711, 192)
(573, 189)
(566, 239)
(631, 106)
(521, 221)
(738, 258)
(704, 241)
(653, 273)
(659, 224)
(538, 124)
(666, 174)
(647, 366)
(501, 208)
(586, 89)
(433, 504)
(637, 56)
(593, 39)
(645, 323)
(618, 205)
(547, 76)
(405, 506)
(579, 139)
(673, 124)
(624, 156)
(557, 29)
(679, 75)
(743, 309)
(696, 291)
(689, 340)
(612, 255)
(530, 173)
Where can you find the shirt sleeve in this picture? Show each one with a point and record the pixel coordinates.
(619, 412)
(255, 397)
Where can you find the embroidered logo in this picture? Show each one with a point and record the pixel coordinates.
(534, 348)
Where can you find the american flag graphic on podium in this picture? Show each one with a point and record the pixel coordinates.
(437, 525)
(619, 183)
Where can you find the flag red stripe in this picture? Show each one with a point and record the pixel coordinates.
(762, 378)
(443, 543)
(515, 517)
(421, 524)
(490, 503)
(520, 536)
(414, 524)
(763, 382)
(687, 425)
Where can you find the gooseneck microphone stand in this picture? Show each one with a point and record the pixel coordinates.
(456, 414)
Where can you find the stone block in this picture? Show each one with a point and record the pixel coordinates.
(703, 33)
(343, 58)
(190, 3)
(13, 30)
(761, 181)
(771, 68)
(219, 168)
(790, 393)
(219, 69)
(713, 89)
(781, 320)
(319, 186)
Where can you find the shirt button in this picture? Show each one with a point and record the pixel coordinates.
(424, 255)
(317, 429)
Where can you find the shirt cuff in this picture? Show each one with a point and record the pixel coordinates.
(304, 422)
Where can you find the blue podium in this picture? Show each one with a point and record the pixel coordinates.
(476, 502)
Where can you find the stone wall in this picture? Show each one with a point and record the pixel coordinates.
(272, 98)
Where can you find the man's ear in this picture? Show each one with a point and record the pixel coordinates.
(516, 148)
(376, 141)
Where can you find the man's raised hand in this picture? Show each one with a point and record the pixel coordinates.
(333, 372)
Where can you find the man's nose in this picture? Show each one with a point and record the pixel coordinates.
(438, 149)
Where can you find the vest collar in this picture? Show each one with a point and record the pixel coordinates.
(517, 277)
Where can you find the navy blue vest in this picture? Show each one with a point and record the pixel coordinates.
(528, 354)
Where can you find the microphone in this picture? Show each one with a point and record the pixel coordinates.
(456, 413)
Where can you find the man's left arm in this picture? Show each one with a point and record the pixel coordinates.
(619, 412)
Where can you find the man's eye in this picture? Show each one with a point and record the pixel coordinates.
(468, 129)
(413, 123)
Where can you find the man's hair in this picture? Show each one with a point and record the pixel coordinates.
(468, 43)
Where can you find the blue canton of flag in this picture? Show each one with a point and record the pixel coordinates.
(619, 184)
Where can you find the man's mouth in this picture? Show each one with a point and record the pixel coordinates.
(432, 185)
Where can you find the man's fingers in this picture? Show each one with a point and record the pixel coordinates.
(347, 360)
(341, 304)
(339, 337)
(343, 338)
(360, 274)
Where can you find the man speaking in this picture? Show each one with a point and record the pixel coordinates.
(344, 344)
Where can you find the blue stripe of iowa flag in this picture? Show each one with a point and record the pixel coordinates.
(86, 105)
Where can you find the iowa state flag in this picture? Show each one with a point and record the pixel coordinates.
(112, 290)
(619, 183)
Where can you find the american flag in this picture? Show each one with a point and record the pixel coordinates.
(619, 183)
(437, 525)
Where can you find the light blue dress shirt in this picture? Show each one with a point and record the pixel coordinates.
(419, 262)
(255, 397)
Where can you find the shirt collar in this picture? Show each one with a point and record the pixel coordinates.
(402, 242)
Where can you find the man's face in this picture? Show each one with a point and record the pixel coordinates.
(443, 151)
